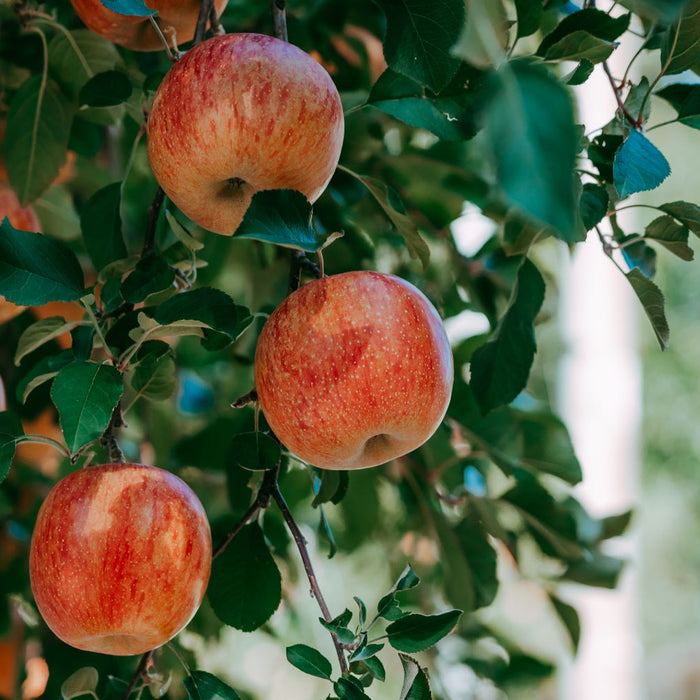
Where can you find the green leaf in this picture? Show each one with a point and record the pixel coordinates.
(223, 320)
(151, 274)
(592, 21)
(570, 619)
(670, 235)
(330, 486)
(615, 525)
(415, 680)
(638, 166)
(57, 214)
(529, 14)
(663, 10)
(36, 138)
(419, 38)
(10, 430)
(685, 99)
(578, 46)
(596, 570)
(638, 254)
(653, 302)
(389, 201)
(530, 128)
(500, 368)
(201, 685)
(182, 234)
(83, 682)
(44, 370)
(35, 269)
(683, 38)
(105, 89)
(245, 587)
(85, 393)
(580, 74)
(325, 530)
(309, 661)
(685, 212)
(41, 332)
(593, 204)
(362, 611)
(366, 652)
(349, 688)
(283, 217)
(484, 36)
(416, 632)
(407, 580)
(101, 225)
(154, 375)
(136, 8)
(255, 451)
(376, 668)
(339, 627)
(450, 117)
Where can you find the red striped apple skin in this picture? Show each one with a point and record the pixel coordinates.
(136, 33)
(241, 113)
(354, 370)
(120, 558)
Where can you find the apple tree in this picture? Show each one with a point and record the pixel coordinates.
(149, 231)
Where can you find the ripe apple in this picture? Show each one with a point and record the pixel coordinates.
(241, 113)
(20, 217)
(136, 33)
(120, 558)
(354, 370)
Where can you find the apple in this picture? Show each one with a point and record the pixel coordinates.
(241, 113)
(120, 558)
(136, 33)
(354, 370)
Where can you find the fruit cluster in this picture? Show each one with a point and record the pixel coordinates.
(351, 371)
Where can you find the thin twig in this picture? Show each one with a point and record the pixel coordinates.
(279, 18)
(308, 567)
(139, 673)
(202, 20)
(152, 225)
(617, 89)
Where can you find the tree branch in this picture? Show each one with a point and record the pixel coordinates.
(617, 89)
(139, 673)
(308, 567)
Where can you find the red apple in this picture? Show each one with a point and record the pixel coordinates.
(354, 370)
(241, 113)
(120, 558)
(136, 33)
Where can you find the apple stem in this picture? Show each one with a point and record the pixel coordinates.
(139, 673)
(109, 438)
(205, 12)
(308, 567)
(279, 18)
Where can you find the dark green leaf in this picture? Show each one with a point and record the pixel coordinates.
(579, 46)
(419, 38)
(340, 629)
(283, 217)
(154, 375)
(105, 89)
(83, 341)
(581, 73)
(670, 235)
(376, 668)
(615, 525)
(36, 139)
(529, 14)
(348, 688)
(639, 255)
(685, 99)
(595, 22)
(35, 270)
(569, 617)
(450, 116)
(309, 661)
(389, 201)
(415, 680)
(245, 587)
(685, 212)
(366, 652)
(101, 225)
(664, 10)
(325, 530)
(10, 430)
(330, 486)
(683, 39)
(85, 393)
(653, 302)
(597, 570)
(44, 370)
(639, 166)
(40, 332)
(593, 204)
(416, 632)
(135, 8)
(151, 274)
(362, 610)
(255, 451)
(530, 128)
(201, 685)
(500, 368)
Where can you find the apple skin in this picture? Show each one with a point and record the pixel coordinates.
(120, 558)
(136, 33)
(241, 113)
(354, 370)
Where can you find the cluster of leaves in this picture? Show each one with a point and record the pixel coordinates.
(473, 103)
